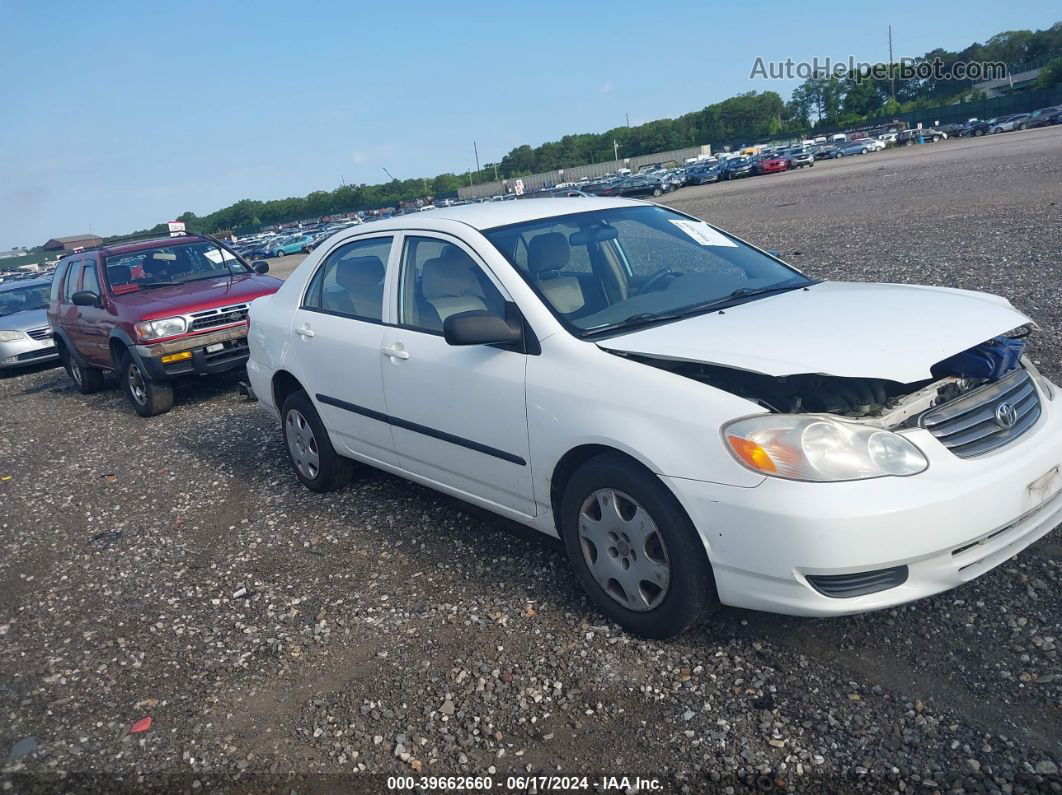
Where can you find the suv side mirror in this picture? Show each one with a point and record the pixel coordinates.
(85, 298)
(261, 266)
(480, 327)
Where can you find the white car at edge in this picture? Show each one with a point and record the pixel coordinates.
(699, 422)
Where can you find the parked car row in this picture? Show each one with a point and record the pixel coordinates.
(1042, 117)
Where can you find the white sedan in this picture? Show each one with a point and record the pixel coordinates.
(699, 422)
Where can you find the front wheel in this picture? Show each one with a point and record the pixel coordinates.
(149, 398)
(657, 192)
(635, 550)
(279, 254)
(317, 464)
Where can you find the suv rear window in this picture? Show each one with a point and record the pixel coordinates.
(165, 266)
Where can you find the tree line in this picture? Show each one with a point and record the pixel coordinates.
(821, 102)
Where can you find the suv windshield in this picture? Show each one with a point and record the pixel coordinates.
(165, 266)
(607, 269)
(23, 299)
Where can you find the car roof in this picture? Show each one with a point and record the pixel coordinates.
(488, 215)
(22, 283)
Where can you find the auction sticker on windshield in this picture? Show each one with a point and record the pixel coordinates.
(704, 234)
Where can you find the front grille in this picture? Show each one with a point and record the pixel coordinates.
(41, 333)
(969, 426)
(222, 316)
(845, 586)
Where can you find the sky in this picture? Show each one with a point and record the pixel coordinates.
(116, 116)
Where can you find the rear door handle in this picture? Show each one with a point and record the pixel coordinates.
(304, 332)
(397, 353)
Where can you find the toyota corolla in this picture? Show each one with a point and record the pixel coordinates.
(699, 422)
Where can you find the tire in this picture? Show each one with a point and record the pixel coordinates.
(279, 254)
(998, 130)
(86, 379)
(657, 192)
(979, 132)
(1023, 126)
(316, 463)
(149, 398)
(672, 552)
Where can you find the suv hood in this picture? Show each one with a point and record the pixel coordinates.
(857, 330)
(181, 299)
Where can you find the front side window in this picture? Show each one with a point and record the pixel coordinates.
(350, 282)
(646, 264)
(166, 266)
(90, 281)
(439, 279)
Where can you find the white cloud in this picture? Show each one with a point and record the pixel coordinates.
(607, 87)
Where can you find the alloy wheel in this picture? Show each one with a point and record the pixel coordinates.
(624, 550)
(137, 386)
(302, 445)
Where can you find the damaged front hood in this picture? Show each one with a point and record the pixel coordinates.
(858, 330)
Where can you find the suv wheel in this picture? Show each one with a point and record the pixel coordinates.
(635, 550)
(86, 379)
(149, 398)
(317, 464)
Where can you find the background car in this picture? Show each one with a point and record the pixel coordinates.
(799, 158)
(735, 168)
(853, 148)
(25, 335)
(703, 175)
(637, 185)
(1008, 123)
(770, 164)
(291, 245)
(1041, 117)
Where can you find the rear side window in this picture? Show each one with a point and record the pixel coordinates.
(70, 282)
(57, 281)
(351, 280)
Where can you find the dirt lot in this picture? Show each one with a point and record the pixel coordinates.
(388, 630)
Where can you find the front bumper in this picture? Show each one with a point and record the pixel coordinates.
(955, 521)
(27, 351)
(213, 352)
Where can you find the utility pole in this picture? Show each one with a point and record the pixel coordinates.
(615, 150)
(495, 172)
(892, 71)
(628, 120)
(388, 173)
(476, 150)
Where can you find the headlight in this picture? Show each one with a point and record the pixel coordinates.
(820, 448)
(157, 329)
(1041, 380)
(11, 336)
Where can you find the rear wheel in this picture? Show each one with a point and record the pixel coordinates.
(635, 550)
(86, 379)
(317, 464)
(149, 398)
(657, 192)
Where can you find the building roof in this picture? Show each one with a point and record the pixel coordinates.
(75, 238)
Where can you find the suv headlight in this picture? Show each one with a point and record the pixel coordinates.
(820, 448)
(11, 336)
(157, 329)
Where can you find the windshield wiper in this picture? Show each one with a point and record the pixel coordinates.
(639, 319)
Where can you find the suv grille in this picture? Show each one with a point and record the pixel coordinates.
(41, 333)
(222, 316)
(986, 418)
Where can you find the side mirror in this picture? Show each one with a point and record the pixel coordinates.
(480, 327)
(261, 266)
(85, 298)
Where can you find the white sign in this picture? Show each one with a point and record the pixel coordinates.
(704, 234)
(176, 228)
(518, 187)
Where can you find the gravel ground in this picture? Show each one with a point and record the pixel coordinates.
(285, 641)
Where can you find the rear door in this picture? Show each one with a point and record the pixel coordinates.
(337, 332)
(66, 312)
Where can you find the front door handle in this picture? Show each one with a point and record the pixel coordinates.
(394, 352)
(304, 332)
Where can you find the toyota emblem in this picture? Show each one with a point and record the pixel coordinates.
(1006, 415)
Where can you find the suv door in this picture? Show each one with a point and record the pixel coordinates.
(66, 312)
(93, 323)
(457, 413)
(337, 332)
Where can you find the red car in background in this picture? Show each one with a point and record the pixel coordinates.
(771, 165)
(151, 311)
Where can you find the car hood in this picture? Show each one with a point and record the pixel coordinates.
(891, 331)
(25, 321)
(196, 296)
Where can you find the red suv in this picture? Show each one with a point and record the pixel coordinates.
(152, 310)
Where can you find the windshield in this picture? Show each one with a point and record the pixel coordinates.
(169, 265)
(609, 268)
(23, 299)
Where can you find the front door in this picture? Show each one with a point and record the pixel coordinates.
(457, 412)
(337, 333)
